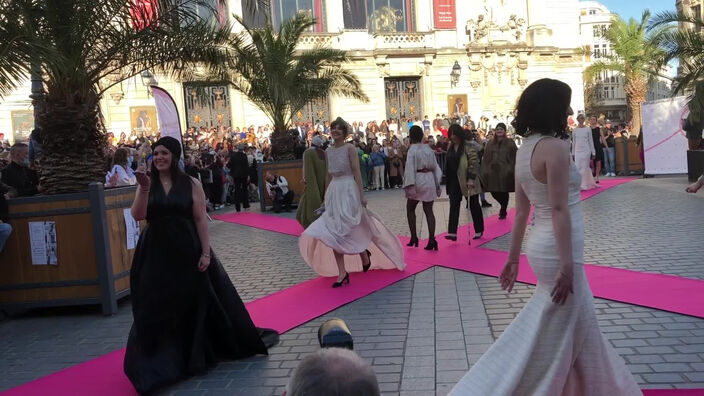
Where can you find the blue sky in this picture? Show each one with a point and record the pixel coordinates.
(634, 8)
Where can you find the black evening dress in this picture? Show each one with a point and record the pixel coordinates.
(185, 320)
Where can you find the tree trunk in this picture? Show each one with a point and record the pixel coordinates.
(73, 148)
(636, 89)
(282, 145)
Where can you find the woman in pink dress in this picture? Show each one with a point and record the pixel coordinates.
(347, 235)
(421, 184)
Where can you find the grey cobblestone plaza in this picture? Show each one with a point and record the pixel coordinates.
(423, 333)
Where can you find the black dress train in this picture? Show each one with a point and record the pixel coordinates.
(184, 320)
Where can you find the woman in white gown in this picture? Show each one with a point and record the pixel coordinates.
(347, 236)
(553, 346)
(582, 152)
(421, 184)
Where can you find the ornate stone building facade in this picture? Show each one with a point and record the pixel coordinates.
(413, 57)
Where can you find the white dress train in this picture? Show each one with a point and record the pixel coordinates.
(551, 349)
(347, 227)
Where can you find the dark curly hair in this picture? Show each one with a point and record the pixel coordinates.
(542, 108)
(342, 124)
(416, 134)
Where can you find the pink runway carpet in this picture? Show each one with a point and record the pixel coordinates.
(294, 306)
(266, 222)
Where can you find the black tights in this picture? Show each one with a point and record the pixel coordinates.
(502, 199)
(429, 215)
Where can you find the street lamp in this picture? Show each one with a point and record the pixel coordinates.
(148, 80)
(455, 74)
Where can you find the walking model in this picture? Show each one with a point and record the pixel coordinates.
(421, 184)
(554, 346)
(583, 151)
(347, 236)
(187, 314)
(314, 173)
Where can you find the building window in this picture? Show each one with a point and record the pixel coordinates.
(215, 11)
(697, 11)
(592, 12)
(390, 16)
(280, 10)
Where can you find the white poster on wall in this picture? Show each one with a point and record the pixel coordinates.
(42, 239)
(664, 140)
(132, 229)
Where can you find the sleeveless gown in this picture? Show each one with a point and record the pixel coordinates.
(184, 320)
(347, 227)
(551, 349)
(583, 149)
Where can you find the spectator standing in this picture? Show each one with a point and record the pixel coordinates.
(121, 173)
(426, 126)
(5, 227)
(376, 158)
(609, 152)
(239, 169)
(17, 174)
(499, 162)
(396, 164)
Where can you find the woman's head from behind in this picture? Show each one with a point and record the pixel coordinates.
(543, 108)
(416, 134)
(456, 134)
(120, 157)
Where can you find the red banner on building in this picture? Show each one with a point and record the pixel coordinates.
(445, 14)
(143, 12)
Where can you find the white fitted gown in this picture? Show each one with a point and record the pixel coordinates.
(347, 227)
(582, 151)
(551, 349)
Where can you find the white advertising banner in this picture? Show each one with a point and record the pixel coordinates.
(664, 141)
(167, 113)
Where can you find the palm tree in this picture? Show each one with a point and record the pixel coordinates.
(268, 69)
(636, 55)
(687, 45)
(84, 47)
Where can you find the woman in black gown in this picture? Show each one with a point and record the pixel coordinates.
(187, 314)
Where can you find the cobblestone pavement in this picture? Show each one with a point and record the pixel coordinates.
(423, 333)
(649, 225)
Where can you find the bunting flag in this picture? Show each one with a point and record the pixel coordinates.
(167, 114)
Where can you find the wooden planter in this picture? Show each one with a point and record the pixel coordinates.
(93, 261)
(291, 170)
(627, 160)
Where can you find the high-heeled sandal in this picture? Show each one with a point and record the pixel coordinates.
(365, 268)
(413, 242)
(432, 244)
(342, 282)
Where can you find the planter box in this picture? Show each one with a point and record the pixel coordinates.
(626, 156)
(93, 262)
(291, 170)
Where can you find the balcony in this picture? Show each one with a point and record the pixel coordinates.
(311, 40)
(404, 40)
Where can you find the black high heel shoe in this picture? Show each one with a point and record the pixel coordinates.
(432, 244)
(365, 268)
(478, 235)
(451, 237)
(413, 242)
(342, 282)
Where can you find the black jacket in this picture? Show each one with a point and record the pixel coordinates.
(239, 166)
(4, 210)
(21, 178)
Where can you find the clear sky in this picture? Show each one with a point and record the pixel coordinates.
(634, 8)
